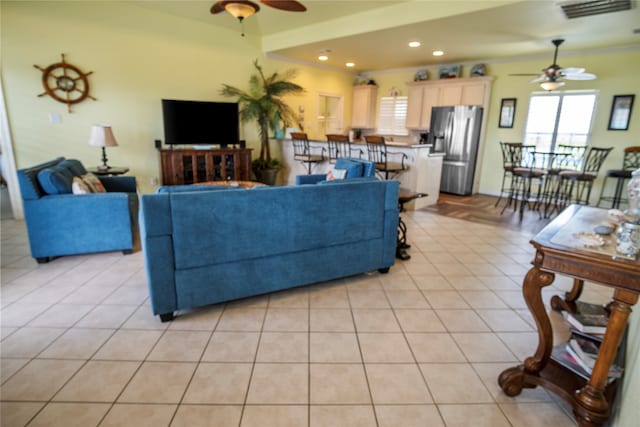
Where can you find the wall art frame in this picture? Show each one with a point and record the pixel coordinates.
(507, 112)
(620, 115)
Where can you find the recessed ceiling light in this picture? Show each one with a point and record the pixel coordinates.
(350, 64)
(323, 57)
(438, 53)
(414, 44)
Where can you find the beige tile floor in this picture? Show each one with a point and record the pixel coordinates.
(420, 346)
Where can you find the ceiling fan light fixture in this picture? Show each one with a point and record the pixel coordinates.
(241, 9)
(551, 85)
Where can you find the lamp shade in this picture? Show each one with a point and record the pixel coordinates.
(102, 136)
(241, 9)
(549, 86)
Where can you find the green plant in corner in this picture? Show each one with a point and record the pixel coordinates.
(263, 103)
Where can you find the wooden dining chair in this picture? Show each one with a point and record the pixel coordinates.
(302, 151)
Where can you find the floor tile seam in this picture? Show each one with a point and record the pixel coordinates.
(362, 363)
(253, 364)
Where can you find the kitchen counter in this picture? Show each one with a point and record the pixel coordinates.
(423, 175)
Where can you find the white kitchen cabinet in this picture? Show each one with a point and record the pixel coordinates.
(424, 95)
(363, 114)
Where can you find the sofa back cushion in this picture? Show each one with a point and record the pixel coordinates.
(356, 168)
(74, 166)
(56, 180)
(211, 228)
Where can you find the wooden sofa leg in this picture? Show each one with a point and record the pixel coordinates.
(384, 270)
(166, 317)
(127, 252)
(43, 260)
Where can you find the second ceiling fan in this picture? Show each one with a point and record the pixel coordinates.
(552, 76)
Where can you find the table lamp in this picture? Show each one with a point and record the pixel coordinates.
(102, 136)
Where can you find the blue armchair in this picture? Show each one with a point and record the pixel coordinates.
(61, 223)
(356, 168)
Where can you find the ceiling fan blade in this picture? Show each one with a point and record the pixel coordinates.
(217, 7)
(572, 70)
(539, 79)
(525, 74)
(287, 5)
(580, 76)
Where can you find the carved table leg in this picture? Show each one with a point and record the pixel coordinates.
(570, 298)
(592, 408)
(513, 379)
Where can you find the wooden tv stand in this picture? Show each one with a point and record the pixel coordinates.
(189, 165)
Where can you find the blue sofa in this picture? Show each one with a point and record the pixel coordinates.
(61, 223)
(205, 247)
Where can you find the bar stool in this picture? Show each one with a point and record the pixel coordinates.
(339, 146)
(630, 162)
(582, 179)
(378, 153)
(507, 169)
(302, 150)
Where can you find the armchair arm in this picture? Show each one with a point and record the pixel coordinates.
(119, 184)
(80, 223)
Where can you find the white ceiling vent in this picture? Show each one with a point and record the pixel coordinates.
(578, 9)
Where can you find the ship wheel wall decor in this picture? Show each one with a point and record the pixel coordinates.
(65, 83)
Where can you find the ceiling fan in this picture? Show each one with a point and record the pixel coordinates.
(241, 9)
(551, 77)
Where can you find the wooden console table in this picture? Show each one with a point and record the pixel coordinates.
(188, 166)
(589, 399)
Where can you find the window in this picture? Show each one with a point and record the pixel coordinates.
(559, 118)
(329, 113)
(393, 115)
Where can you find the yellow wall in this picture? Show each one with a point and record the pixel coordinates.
(138, 56)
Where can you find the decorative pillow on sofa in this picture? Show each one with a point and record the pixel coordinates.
(94, 183)
(75, 166)
(55, 180)
(336, 174)
(79, 186)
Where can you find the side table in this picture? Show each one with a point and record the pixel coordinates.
(113, 170)
(558, 253)
(404, 196)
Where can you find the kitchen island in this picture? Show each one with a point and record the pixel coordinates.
(422, 176)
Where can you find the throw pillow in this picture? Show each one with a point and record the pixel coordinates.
(334, 174)
(79, 186)
(93, 182)
(55, 180)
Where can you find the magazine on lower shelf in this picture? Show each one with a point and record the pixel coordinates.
(585, 352)
(563, 356)
(591, 324)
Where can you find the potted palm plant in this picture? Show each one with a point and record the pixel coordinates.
(263, 103)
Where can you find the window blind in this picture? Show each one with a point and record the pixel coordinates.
(393, 115)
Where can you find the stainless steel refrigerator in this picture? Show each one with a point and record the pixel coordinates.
(456, 132)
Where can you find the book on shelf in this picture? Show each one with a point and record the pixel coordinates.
(593, 337)
(591, 324)
(590, 309)
(562, 356)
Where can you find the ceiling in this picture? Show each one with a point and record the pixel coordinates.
(374, 34)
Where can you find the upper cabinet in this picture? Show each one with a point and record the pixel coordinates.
(364, 107)
(424, 95)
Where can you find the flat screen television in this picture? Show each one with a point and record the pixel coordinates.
(200, 122)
